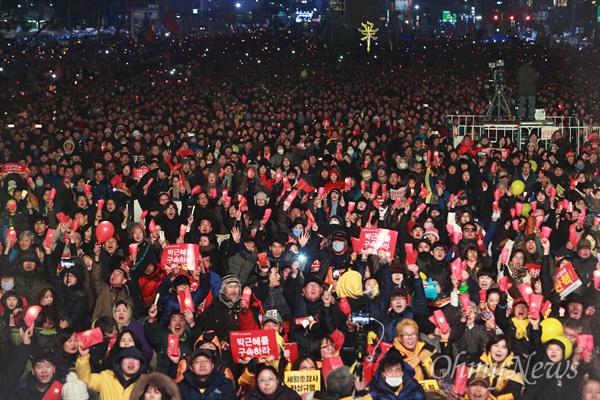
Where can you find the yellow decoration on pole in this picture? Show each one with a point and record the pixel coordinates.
(368, 33)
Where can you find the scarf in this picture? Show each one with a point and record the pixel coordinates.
(517, 273)
(419, 359)
(521, 327)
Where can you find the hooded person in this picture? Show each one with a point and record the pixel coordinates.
(116, 383)
(153, 383)
(69, 286)
(561, 377)
(395, 379)
(203, 381)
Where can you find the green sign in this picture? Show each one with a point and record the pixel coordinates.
(599, 14)
(447, 16)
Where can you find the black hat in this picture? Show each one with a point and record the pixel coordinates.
(181, 280)
(400, 291)
(202, 352)
(312, 278)
(339, 235)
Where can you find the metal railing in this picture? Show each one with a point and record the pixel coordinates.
(519, 132)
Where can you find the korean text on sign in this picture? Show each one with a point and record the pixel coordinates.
(303, 381)
(186, 255)
(566, 280)
(261, 344)
(378, 239)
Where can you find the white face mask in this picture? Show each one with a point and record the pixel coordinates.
(393, 382)
(280, 152)
(7, 285)
(350, 152)
(402, 165)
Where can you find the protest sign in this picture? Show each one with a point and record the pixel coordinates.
(186, 255)
(261, 344)
(303, 381)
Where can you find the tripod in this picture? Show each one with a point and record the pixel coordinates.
(499, 108)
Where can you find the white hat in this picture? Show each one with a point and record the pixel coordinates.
(74, 389)
(11, 185)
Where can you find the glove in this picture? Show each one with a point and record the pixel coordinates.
(503, 299)
(252, 364)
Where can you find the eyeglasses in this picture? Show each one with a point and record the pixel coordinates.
(202, 362)
(469, 229)
(328, 345)
(409, 335)
(313, 286)
(267, 380)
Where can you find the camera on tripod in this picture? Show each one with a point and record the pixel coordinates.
(498, 93)
(498, 73)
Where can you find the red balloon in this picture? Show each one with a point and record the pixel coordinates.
(104, 231)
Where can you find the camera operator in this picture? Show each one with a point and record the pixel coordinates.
(527, 77)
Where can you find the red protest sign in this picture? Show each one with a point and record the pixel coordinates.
(261, 344)
(566, 280)
(290, 352)
(139, 172)
(11, 168)
(186, 255)
(378, 239)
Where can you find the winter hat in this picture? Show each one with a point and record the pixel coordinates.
(181, 280)
(74, 389)
(11, 185)
(432, 231)
(227, 279)
(262, 196)
(350, 285)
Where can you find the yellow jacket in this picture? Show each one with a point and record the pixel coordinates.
(105, 383)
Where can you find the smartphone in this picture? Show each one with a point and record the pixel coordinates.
(161, 235)
(360, 318)
(67, 263)
(336, 274)
(38, 126)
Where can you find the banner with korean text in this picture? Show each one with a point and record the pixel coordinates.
(186, 255)
(261, 344)
(376, 239)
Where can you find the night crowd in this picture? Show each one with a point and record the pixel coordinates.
(319, 193)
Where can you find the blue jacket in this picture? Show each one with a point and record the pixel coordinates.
(218, 388)
(169, 302)
(418, 307)
(411, 389)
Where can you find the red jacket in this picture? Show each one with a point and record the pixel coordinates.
(149, 283)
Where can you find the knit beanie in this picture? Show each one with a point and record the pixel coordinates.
(74, 389)
(227, 279)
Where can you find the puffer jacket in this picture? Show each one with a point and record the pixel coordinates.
(158, 380)
(411, 389)
(110, 383)
(217, 387)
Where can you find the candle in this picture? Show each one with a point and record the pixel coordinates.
(351, 206)
(156, 298)
(182, 230)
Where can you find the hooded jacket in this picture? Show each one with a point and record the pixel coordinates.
(161, 381)
(411, 389)
(111, 384)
